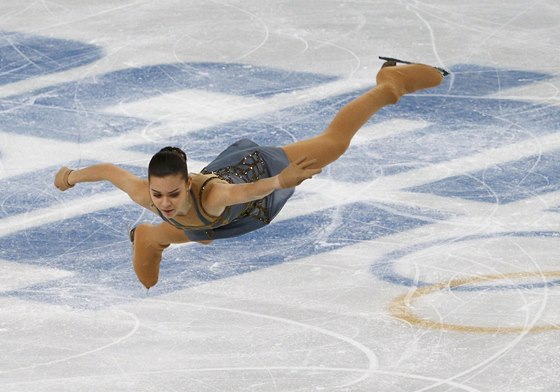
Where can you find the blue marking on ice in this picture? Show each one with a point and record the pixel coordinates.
(465, 120)
(73, 111)
(95, 247)
(384, 268)
(504, 183)
(134, 84)
(460, 125)
(23, 56)
(32, 191)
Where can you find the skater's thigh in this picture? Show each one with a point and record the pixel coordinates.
(164, 234)
(322, 148)
(170, 234)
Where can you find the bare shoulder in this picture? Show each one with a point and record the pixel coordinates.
(140, 193)
(200, 180)
(209, 189)
(204, 185)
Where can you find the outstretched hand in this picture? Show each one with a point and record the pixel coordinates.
(297, 172)
(61, 179)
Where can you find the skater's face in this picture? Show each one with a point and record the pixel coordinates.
(170, 194)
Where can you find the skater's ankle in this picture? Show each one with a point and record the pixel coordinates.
(409, 78)
(391, 92)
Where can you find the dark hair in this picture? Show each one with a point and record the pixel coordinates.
(168, 161)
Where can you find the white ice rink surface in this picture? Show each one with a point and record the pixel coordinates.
(426, 259)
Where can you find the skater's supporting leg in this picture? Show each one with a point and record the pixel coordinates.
(149, 243)
(392, 83)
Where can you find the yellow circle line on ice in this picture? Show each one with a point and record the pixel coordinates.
(400, 307)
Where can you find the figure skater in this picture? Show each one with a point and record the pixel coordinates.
(245, 187)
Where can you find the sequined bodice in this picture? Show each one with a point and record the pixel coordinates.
(250, 169)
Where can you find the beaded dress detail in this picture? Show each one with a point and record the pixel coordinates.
(250, 169)
(242, 162)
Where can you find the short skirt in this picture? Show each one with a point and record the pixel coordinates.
(242, 162)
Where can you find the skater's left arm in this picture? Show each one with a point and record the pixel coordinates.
(221, 195)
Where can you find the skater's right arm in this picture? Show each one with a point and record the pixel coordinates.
(135, 187)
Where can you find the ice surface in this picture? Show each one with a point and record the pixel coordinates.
(425, 259)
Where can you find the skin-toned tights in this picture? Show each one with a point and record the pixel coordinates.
(392, 83)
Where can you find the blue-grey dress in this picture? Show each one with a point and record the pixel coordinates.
(242, 162)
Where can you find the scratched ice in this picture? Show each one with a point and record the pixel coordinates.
(424, 259)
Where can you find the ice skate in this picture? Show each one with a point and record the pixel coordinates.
(408, 78)
(131, 234)
(391, 61)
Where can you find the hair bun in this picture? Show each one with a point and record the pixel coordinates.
(167, 162)
(175, 150)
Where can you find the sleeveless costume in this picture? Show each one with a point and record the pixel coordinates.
(242, 162)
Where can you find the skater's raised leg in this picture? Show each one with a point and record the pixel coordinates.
(392, 83)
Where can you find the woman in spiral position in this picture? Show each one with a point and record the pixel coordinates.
(246, 185)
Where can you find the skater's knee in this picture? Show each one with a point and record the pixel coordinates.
(334, 148)
(147, 255)
(340, 148)
(147, 272)
(148, 282)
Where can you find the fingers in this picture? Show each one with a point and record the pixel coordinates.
(311, 172)
(308, 174)
(315, 171)
(303, 163)
(298, 171)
